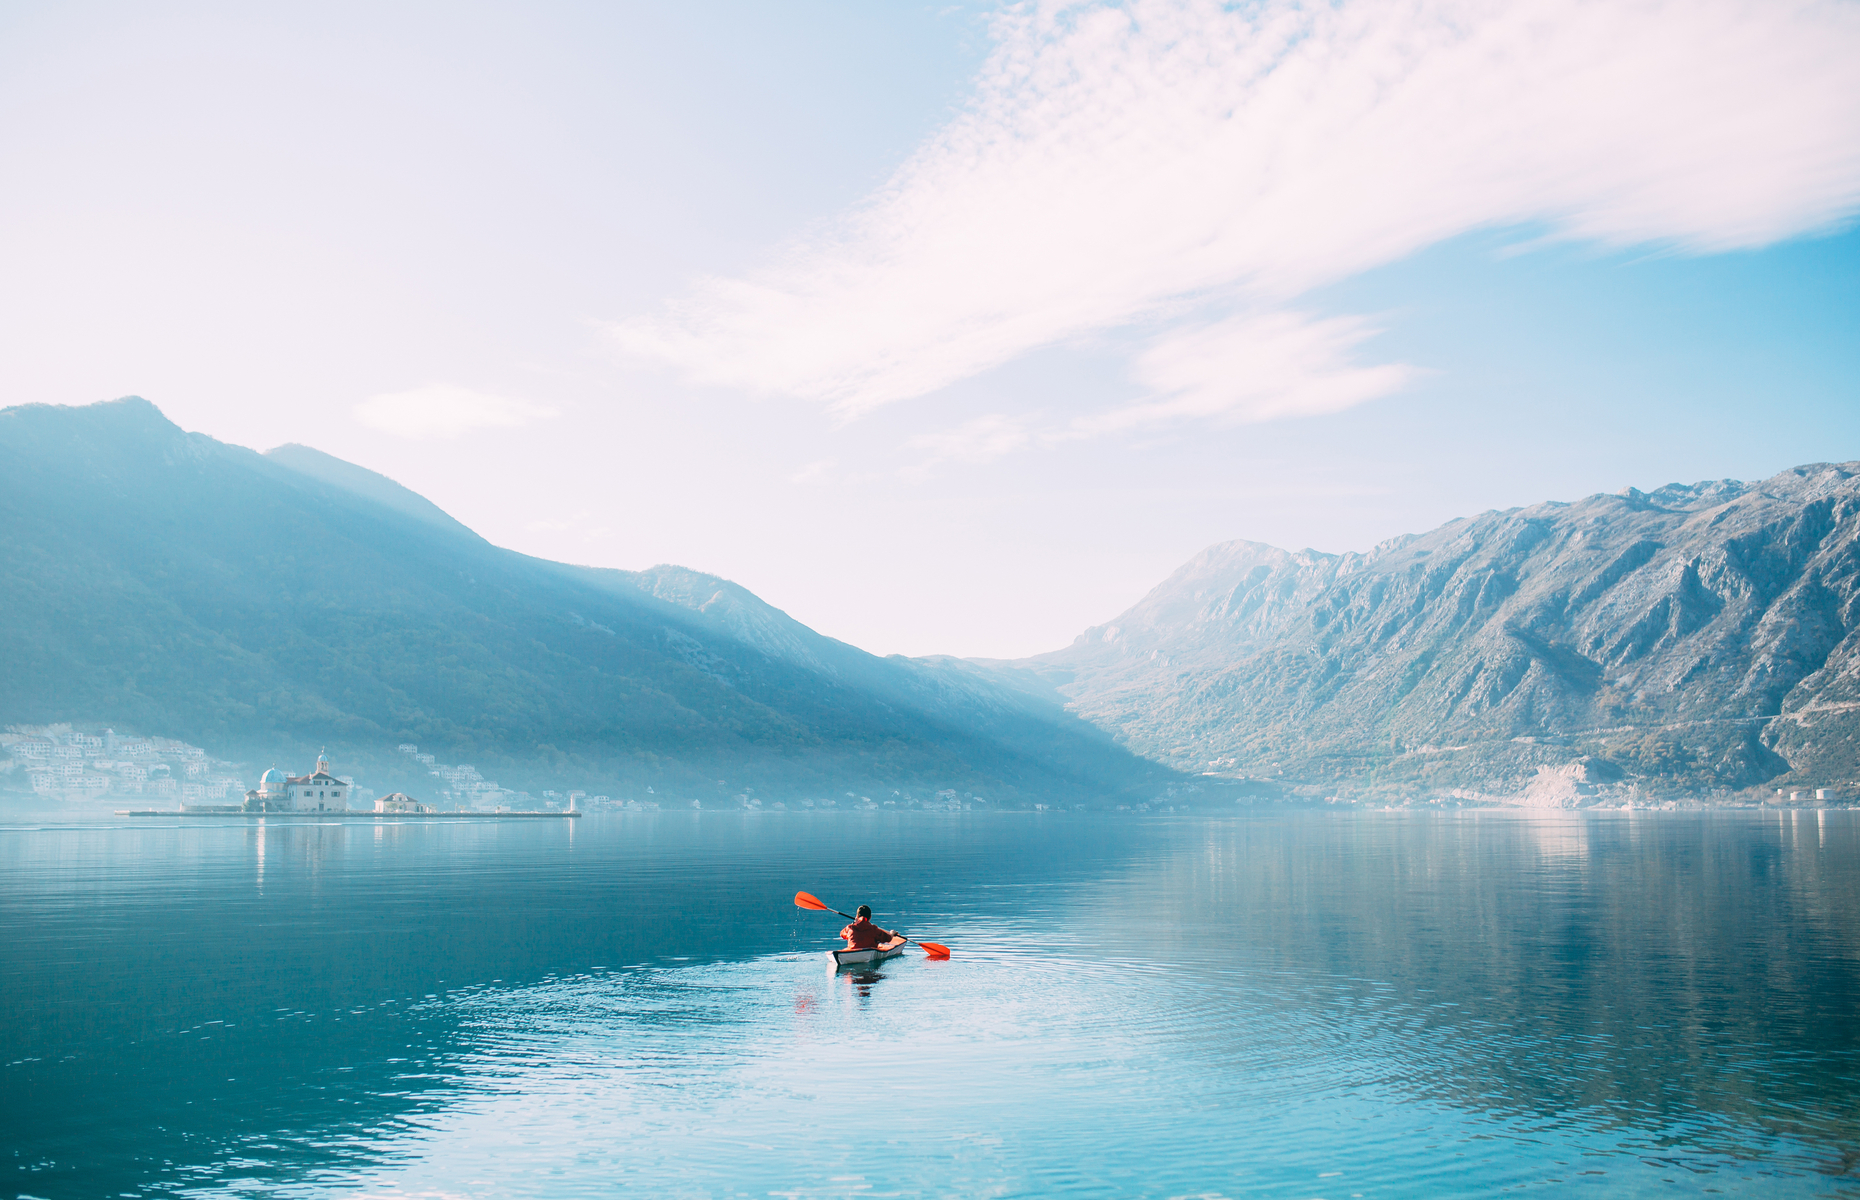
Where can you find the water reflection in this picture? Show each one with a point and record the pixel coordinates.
(1306, 1004)
(1688, 980)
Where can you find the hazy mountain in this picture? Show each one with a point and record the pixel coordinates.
(265, 605)
(365, 483)
(1703, 637)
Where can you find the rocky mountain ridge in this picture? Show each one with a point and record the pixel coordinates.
(1698, 639)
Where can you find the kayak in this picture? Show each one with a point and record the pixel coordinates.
(847, 958)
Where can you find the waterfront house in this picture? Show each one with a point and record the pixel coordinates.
(319, 791)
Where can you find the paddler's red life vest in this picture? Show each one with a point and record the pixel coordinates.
(864, 935)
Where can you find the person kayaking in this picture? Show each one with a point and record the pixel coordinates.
(863, 935)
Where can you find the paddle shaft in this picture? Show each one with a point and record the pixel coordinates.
(814, 903)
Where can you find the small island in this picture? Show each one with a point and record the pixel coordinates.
(322, 795)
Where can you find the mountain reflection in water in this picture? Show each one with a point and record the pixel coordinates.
(1292, 1003)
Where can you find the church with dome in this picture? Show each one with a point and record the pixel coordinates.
(319, 791)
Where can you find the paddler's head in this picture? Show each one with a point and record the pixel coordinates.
(863, 912)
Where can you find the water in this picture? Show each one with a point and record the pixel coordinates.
(1298, 1004)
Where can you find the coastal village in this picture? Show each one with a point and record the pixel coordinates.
(72, 765)
(64, 763)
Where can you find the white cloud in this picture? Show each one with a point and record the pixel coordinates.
(579, 523)
(980, 440)
(1122, 163)
(1252, 367)
(442, 411)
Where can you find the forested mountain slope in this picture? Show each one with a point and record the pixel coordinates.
(1699, 637)
(267, 605)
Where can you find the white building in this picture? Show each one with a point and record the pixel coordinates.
(319, 791)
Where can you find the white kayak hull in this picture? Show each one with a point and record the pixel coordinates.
(847, 958)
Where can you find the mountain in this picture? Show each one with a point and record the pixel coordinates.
(1697, 639)
(365, 483)
(267, 605)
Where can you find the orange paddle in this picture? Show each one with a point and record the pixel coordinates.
(807, 900)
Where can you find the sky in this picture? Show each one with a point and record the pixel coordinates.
(949, 328)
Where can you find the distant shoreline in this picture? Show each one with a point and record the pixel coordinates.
(343, 816)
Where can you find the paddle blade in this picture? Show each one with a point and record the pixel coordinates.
(804, 900)
(935, 949)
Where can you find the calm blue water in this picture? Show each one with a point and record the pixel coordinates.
(1298, 1004)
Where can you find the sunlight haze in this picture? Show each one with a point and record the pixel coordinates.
(949, 329)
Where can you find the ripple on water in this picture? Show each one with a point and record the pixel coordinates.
(1300, 1006)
